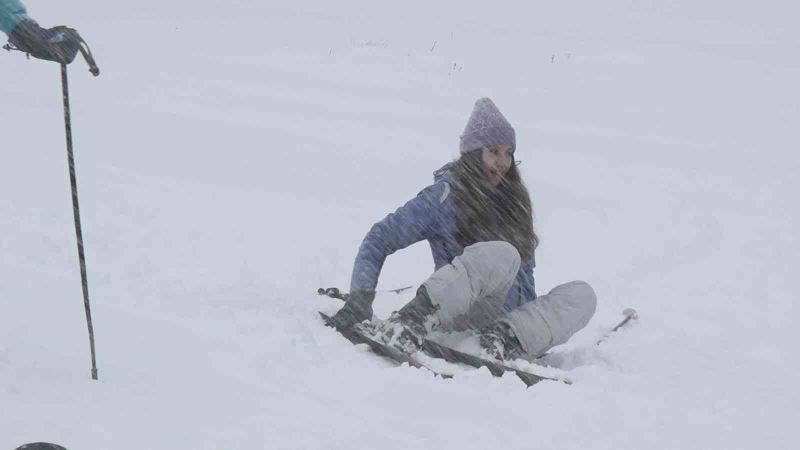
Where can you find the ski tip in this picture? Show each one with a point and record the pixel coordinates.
(326, 319)
(630, 312)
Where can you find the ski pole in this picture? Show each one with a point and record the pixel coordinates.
(77, 215)
(334, 292)
(630, 314)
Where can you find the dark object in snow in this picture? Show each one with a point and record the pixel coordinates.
(58, 44)
(40, 446)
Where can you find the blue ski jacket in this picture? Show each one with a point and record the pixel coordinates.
(11, 12)
(428, 216)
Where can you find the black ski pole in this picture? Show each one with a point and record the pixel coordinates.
(77, 215)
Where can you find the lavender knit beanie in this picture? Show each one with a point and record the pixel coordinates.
(486, 127)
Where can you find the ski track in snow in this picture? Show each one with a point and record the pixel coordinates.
(230, 160)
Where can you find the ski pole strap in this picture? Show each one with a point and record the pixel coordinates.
(87, 55)
(9, 46)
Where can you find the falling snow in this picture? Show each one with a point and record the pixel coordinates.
(231, 158)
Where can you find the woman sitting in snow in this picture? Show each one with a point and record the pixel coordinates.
(477, 217)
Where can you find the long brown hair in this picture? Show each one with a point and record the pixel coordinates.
(476, 204)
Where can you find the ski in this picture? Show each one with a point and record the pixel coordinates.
(451, 355)
(436, 350)
(355, 336)
(496, 368)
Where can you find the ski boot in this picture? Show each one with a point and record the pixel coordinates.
(406, 329)
(500, 343)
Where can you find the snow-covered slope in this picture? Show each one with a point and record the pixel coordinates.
(232, 155)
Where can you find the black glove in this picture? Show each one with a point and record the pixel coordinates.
(357, 309)
(59, 44)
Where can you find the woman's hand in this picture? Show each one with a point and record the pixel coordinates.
(357, 309)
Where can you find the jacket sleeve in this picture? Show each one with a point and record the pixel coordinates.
(11, 12)
(411, 223)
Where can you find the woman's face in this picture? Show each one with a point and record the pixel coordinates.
(497, 159)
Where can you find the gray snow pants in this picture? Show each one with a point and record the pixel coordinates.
(471, 291)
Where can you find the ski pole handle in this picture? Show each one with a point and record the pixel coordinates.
(87, 55)
(630, 314)
(332, 292)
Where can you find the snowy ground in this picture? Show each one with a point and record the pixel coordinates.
(232, 155)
